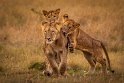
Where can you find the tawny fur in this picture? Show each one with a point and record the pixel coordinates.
(91, 47)
(56, 52)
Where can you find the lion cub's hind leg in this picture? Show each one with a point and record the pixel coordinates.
(102, 61)
(91, 61)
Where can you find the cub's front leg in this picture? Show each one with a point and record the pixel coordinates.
(53, 63)
(63, 63)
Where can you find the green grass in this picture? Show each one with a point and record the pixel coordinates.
(37, 66)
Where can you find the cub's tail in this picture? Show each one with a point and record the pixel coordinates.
(107, 57)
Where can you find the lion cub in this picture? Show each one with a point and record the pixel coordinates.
(51, 16)
(72, 31)
(91, 48)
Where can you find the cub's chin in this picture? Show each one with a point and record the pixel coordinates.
(49, 42)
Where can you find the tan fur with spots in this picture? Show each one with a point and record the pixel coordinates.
(91, 47)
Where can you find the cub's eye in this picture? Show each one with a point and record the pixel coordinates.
(48, 16)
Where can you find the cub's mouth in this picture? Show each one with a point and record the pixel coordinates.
(49, 41)
(52, 21)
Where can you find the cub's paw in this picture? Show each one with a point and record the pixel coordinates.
(47, 73)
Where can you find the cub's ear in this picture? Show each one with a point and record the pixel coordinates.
(76, 25)
(45, 13)
(65, 16)
(57, 10)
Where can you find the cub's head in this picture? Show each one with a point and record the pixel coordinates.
(69, 26)
(51, 32)
(52, 15)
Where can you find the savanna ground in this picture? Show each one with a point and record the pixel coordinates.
(21, 55)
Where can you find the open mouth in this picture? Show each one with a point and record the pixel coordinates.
(49, 41)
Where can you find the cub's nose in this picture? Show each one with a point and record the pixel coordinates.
(49, 39)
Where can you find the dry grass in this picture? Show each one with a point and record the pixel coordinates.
(36, 78)
(21, 37)
(79, 61)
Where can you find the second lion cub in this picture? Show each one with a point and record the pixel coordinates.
(91, 47)
(71, 32)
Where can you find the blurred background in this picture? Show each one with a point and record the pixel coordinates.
(21, 31)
